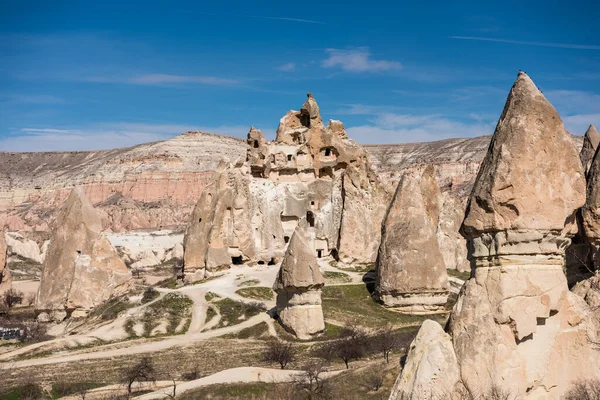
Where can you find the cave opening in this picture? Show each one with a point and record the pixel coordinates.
(310, 218)
(237, 260)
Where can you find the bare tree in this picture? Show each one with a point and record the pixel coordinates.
(12, 297)
(385, 342)
(584, 390)
(352, 344)
(311, 384)
(280, 352)
(143, 371)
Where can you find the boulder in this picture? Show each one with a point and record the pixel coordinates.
(82, 269)
(591, 139)
(23, 248)
(411, 274)
(5, 278)
(431, 370)
(298, 286)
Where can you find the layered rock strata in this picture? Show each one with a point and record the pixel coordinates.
(515, 325)
(250, 210)
(82, 269)
(411, 274)
(298, 286)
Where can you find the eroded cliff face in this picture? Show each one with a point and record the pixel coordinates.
(145, 186)
(250, 210)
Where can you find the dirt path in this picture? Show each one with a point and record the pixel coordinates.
(141, 348)
(233, 375)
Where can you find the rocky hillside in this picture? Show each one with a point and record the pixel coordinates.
(157, 184)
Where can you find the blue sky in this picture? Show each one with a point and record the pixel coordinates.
(91, 75)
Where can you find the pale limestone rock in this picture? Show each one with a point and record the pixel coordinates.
(515, 324)
(220, 231)
(517, 306)
(298, 286)
(23, 248)
(431, 370)
(591, 139)
(411, 274)
(81, 269)
(452, 245)
(5, 278)
(519, 180)
(310, 171)
(591, 211)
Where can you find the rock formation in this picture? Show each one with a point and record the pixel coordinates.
(591, 139)
(452, 245)
(5, 279)
(81, 269)
(249, 211)
(411, 274)
(220, 231)
(515, 324)
(298, 286)
(591, 210)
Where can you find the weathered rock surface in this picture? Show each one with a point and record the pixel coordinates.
(431, 370)
(81, 269)
(452, 245)
(591, 139)
(298, 286)
(591, 211)
(5, 278)
(515, 324)
(411, 274)
(250, 210)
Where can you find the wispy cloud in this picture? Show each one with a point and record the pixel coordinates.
(357, 60)
(289, 67)
(578, 109)
(529, 43)
(104, 136)
(32, 99)
(417, 128)
(154, 79)
(289, 19)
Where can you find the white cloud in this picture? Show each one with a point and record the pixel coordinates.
(104, 136)
(154, 79)
(528, 43)
(357, 60)
(578, 109)
(289, 67)
(406, 128)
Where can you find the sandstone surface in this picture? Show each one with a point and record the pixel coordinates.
(591, 139)
(411, 274)
(298, 286)
(431, 370)
(5, 278)
(250, 209)
(516, 325)
(82, 269)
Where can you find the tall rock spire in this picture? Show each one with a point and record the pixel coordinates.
(298, 285)
(516, 325)
(591, 139)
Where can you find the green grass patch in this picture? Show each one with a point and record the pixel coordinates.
(210, 296)
(175, 308)
(350, 303)
(169, 283)
(257, 293)
(27, 391)
(112, 308)
(255, 390)
(250, 282)
(336, 277)
(150, 294)
(355, 267)
(460, 275)
(233, 312)
(256, 332)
